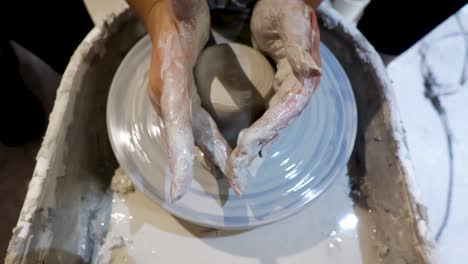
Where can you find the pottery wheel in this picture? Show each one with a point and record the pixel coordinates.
(294, 170)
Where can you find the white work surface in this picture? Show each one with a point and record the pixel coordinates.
(427, 138)
(142, 232)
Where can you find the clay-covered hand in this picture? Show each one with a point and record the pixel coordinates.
(179, 29)
(287, 31)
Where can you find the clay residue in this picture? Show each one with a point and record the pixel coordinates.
(380, 168)
(114, 251)
(121, 183)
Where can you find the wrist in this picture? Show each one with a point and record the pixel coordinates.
(145, 10)
(159, 20)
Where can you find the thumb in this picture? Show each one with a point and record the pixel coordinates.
(155, 83)
(301, 60)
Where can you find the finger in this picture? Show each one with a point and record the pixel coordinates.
(290, 104)
(170, 80)
(315, 38)
(212, 142)
(155, 83)
(283, 74)
(176, 114)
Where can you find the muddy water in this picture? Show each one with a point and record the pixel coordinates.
(329, 230)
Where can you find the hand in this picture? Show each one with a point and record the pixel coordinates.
(287, 31)
(179, 30)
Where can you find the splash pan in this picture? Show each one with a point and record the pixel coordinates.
(293, 171)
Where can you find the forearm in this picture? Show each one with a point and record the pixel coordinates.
(162, 16)
(143, 9)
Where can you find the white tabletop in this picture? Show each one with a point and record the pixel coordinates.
(426, 136)
(325, 232)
